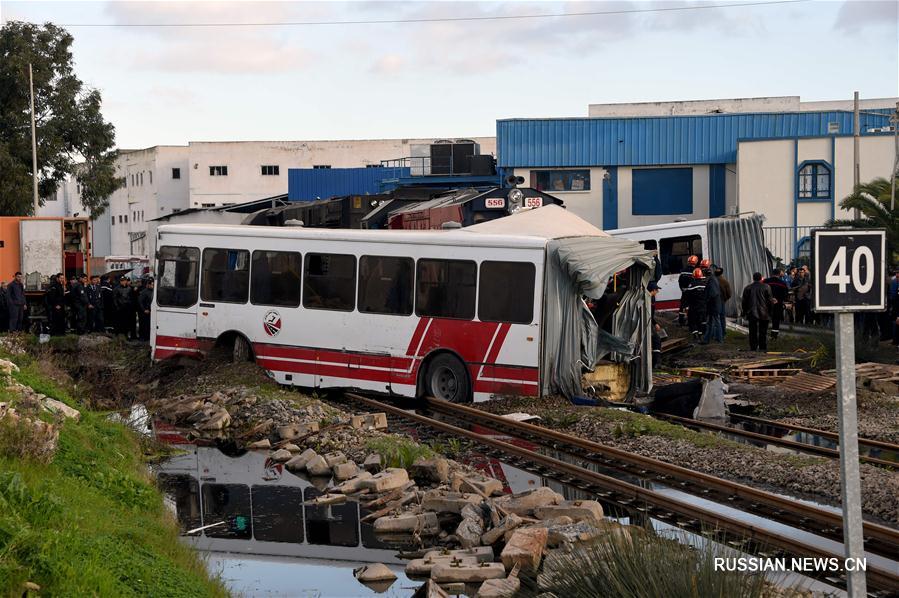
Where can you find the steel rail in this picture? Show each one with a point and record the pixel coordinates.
(868, 442)
(879, 539)
(695, 516)
(757, 436)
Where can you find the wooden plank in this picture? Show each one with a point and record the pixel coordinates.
(808, 382)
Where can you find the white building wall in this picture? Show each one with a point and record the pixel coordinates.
(244, 159)
(767, 173)
(730, 106)
(585, 204)
(731, 205)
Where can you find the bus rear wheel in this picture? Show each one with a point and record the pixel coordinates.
(446, 379)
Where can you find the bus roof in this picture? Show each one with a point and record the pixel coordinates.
(527, 229)
(677, 225)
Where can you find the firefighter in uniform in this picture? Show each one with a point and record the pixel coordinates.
(683, 281)
(696, 304)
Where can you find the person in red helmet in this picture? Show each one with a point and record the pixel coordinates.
(696, 304)
(683, 281)
(705, 264)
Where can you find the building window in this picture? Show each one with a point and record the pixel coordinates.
(218, 171)
(113, 221)
(661, 191)
(141, 179)
(126, 218)
(150, 173)
(132, 180)
(446, 288)
(814, 181)
(560, 180)
(120, 218)
(374, 165)
(321, 166)
(272, 170)
(176, 173)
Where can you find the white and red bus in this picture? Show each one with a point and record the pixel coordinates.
(449, 314)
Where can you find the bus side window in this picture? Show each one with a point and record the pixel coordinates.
(385, 285)
(275, 278)
(674, 251)
(178, 273)
(507, 292)
(446, 288)
(226, 275)
(329, 281)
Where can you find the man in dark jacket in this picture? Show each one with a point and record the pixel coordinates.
(80, 303)
(4, 308)
(779, 291)
(726, 293)
(94, 305)
(145, 302)
(107, 291)
(713, 309)
(123, 309)
(684, 280)
(694, 297)
(15, 297)
(56, 305)
(757, 300)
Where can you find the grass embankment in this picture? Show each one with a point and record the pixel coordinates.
(90, 522)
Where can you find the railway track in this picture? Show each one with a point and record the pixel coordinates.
(880, 540)
(868, 443)
(791, 444)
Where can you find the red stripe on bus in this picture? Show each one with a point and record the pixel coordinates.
(526, 374)
(416, 336)
(501, 332)
(182, 342)
(668, 305)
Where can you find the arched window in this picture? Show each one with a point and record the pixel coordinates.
(814, 180)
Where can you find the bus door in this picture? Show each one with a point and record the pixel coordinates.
(175, 308)
(224, 291)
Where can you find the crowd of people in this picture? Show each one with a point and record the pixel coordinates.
(81, 305)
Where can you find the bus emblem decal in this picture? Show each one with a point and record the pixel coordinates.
(272, 323)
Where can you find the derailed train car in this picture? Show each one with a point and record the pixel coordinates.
(492, 309)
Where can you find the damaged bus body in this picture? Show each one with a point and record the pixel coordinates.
(493, 309)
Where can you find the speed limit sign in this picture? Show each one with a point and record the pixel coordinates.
(849, 270)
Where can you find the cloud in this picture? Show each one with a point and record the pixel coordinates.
(389, 64)
(856, 15)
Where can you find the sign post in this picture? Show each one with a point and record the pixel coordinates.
(849, 275)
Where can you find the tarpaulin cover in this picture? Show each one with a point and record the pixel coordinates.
(738, 246)
(580, 259)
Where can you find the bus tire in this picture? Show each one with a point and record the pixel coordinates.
(240, 351)
(445, 378)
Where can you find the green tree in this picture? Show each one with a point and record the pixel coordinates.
(72, 136)
(872, 200)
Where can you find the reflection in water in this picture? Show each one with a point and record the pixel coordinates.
(265, 539)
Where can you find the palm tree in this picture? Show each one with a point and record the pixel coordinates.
(872, 200)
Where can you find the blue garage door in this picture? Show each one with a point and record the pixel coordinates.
(662, 191)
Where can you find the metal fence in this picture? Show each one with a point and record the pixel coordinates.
(791, 245)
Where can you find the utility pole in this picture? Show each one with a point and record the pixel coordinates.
(33, 140)
(856, 175)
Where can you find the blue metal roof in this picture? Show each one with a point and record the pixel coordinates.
(706, 139)
(305, 184)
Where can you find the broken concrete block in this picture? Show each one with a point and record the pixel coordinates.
(478, 484)
(424, 524)
(374, 572)
(469, 532)
(441, 501)
(483, 554)
(327, 499)
(344, 471)
(291, 447)
(372, 463)
(54, 406)
(524, 503)
(572, 532)
(578, 510)
(422, 567)
(376, 421)
(355, 484)
(335, 458)
(507, 525)
(451, 573)
(317, 466)
(525, 548)
(281, 455)
(265, 443)
(430, 470)
(291, 431)
(389, 479)
(499, 588)
(219, 420)
(298, 463)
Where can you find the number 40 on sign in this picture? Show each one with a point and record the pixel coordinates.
(849, 270)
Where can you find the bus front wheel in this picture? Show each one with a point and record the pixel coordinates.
(241, 350)
(447, 379)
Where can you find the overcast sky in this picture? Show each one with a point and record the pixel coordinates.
(451, 79)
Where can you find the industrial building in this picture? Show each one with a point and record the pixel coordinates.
(638, 164)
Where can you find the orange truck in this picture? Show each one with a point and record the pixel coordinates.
(42, 247)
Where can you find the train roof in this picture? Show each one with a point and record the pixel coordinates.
(530, 228)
